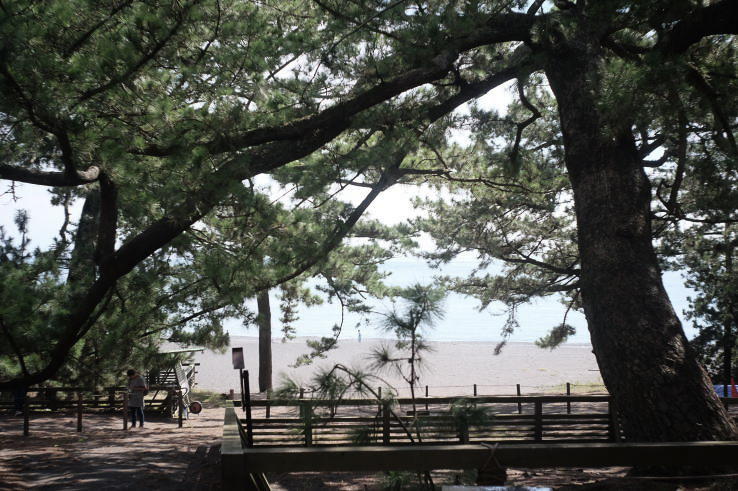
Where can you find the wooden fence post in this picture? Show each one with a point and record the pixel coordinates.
(538, 428)
(308, 418)
(125, 410)
(79, 411)
(463, 430)
(568, 394)
(379, 399)
(26, 422)
(52, 398)
(240, 384)
(520, 406)
(170, 406)
(385, 424)
(247, 408)
(475, 390)
(111, 398)
(180, 408)
(614, 424)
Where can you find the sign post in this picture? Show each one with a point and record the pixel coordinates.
(243, 380)
(247, 408)
(237, 356)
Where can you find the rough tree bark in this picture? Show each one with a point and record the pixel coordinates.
(660, 390)
(728, 336)
(264, 321)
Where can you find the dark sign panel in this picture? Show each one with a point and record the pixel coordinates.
(238, 358)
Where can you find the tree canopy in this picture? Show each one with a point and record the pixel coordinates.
(162, 115)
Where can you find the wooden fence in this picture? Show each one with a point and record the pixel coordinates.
(79, 400)
(511, 418)
(250, 448)
(161, 398)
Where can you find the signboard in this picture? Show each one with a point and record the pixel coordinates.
(237, 354)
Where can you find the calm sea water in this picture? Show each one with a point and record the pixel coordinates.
(463, 321)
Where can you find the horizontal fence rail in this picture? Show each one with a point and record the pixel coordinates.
(371, 422)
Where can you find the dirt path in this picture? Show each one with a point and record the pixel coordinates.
(104, 456)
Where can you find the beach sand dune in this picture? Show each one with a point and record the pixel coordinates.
(452, 368)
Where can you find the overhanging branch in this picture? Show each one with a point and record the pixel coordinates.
(55, 179)
(717, 18)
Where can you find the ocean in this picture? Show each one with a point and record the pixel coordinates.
(463, 321)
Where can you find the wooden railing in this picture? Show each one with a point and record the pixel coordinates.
(515, 419)
(107, 399)
(79, 400)
(511, 418)
(243, 466)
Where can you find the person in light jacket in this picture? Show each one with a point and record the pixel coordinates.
(136, 391)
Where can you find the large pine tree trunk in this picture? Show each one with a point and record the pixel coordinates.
(660, 390)
(264, 321)
(728, 336)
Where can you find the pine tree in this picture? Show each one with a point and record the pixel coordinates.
(160, 112)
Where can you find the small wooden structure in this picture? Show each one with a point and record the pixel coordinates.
(267, 444)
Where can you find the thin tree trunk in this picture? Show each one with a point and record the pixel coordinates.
(264, 321)
(659, 389)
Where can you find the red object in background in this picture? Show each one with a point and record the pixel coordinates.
(733, 391)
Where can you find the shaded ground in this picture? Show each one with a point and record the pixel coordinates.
(165, 457)
(104, 456)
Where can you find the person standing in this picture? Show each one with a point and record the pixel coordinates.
(136, 391)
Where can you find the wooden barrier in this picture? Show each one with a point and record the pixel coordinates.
(545, 418)
(309, 445)
(78, 400)
(576, 418)
(233, 473)
(69, 398)
(240, 463)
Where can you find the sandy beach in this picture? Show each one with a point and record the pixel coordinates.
(451, 369)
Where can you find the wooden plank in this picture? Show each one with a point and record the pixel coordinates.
(419, 457)
(443, 401)
(440, 430)
(576, 419)
(233, 471)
